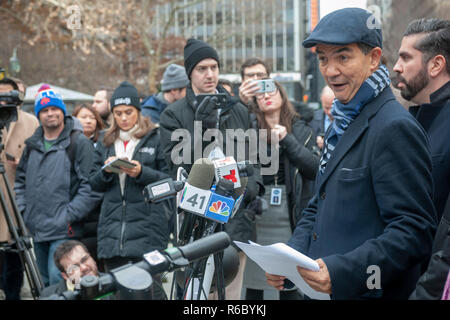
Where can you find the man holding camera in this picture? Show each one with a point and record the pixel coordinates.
(14, 134)
(202, 66)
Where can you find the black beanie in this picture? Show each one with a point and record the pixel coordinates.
(196, 51)
(125, 94)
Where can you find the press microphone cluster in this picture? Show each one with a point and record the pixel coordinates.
(219, 201)
(214, 189)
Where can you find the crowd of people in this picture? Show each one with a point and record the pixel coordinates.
(361, 182)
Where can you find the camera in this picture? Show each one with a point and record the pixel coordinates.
(220, 99)
(8, 107)
(8, 103)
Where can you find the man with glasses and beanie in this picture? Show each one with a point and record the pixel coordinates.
(202, 65)
(371, 222)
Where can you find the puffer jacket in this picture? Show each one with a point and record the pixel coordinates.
(129, 226)
(52, 193)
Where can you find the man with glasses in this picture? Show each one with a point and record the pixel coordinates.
(252, 69)
(74, 261)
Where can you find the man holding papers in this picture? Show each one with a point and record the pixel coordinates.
(371, 223)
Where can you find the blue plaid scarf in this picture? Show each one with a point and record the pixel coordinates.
(344, 114)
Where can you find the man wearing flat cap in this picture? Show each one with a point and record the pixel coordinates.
(372, 220)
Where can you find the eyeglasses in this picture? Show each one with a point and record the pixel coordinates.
(74, 268)
(263, 94)
(259, 75)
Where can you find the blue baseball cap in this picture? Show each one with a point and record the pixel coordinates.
(345, 26)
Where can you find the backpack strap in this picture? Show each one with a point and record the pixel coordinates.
(72, 146)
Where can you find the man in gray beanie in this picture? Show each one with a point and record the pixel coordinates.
(173, 88)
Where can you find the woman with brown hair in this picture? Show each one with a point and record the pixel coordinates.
(290, 188)
(92, 128)
(129, 226)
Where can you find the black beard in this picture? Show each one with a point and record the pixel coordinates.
(413, 87)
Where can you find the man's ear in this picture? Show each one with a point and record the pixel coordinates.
(436, 65)
(375, 58)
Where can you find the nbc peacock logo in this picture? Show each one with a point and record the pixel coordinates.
(220, 207)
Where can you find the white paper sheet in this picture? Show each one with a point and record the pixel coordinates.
(280, 259)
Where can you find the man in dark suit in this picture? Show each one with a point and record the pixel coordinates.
(323, 117)
(372, 220)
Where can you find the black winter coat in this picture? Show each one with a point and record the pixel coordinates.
(301, 165)
(129, 226)
(435, 119)
(181, 115)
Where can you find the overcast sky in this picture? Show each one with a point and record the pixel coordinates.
(327, 6)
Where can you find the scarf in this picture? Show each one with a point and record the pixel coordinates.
(124, 147)
(344, 114)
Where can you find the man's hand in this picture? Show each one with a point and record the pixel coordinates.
(318, 280)
(275, 281)
(247, 90)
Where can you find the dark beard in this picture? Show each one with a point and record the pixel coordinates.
(413, 87)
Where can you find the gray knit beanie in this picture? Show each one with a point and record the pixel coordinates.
(174, 78)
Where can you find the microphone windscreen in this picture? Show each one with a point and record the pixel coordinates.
(202, 174)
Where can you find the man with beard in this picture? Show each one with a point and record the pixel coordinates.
(73, 260)
(423, 74)
(52, 189)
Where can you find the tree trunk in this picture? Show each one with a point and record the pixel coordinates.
(152, 74)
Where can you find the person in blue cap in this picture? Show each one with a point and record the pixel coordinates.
(371, 222)
(52, 189)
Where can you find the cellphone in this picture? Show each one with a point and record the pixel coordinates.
(115, 165)
(221, 98)
(10, 157)
(266, 85)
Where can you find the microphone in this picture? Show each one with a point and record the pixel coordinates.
(176, 257)
(227, 168)
(162, 189)
(202, 174)
(238, 195)
(221, 203)
(196, 193)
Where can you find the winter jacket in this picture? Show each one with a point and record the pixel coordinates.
(301, 164)
(181, 115)
(128, 226)
(435, 119)
(152, 107)
(14, 141)
(52, 193)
